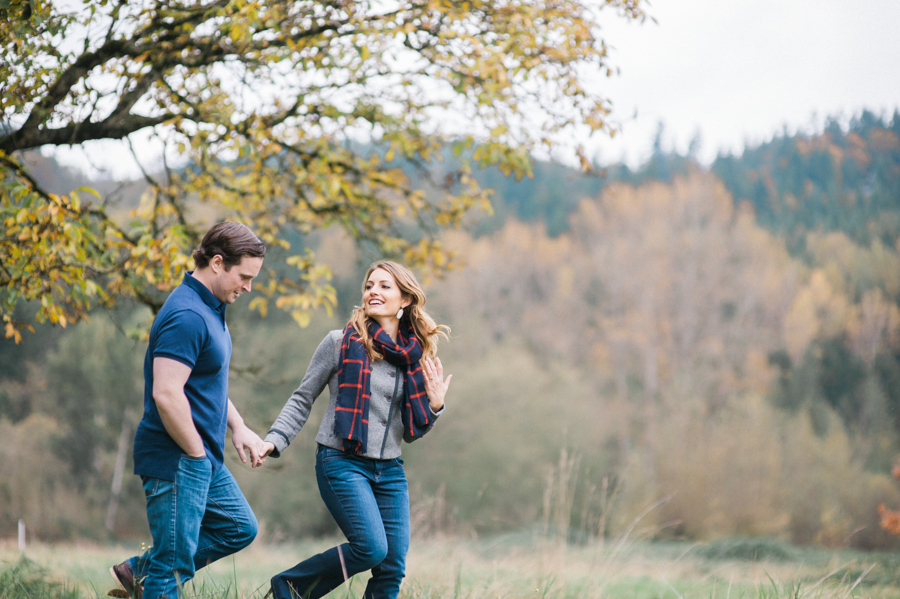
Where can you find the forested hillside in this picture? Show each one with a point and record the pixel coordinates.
(671, 350)
(843, 178)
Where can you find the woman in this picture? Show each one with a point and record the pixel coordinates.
(386, 384)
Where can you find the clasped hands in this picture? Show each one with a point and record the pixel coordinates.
(245, 440)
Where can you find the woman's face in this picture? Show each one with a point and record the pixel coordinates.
(381, 295)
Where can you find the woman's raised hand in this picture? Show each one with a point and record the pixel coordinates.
(435, 384)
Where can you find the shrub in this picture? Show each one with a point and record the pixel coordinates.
(756, 549)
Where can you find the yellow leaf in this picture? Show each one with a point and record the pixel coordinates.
(261, 304)
(302, 317)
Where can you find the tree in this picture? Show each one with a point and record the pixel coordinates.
(684, 291)
(290, 116)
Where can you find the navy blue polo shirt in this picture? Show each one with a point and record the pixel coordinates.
(191, 329)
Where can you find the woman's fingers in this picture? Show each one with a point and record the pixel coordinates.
(433, 368)
(267, 448)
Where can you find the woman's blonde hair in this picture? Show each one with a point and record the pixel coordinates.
(422, 324)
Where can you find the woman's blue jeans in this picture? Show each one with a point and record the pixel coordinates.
(199, 518)
(369, 500)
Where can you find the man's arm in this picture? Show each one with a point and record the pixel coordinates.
(244, 438)
(169, 378)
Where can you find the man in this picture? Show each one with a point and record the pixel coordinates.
(196, 511)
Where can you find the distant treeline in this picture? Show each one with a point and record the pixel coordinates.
(844, 178)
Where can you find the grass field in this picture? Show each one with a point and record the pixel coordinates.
(513, 566)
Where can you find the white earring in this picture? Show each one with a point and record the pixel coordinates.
(399, 313)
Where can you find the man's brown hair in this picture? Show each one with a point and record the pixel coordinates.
(230, 240)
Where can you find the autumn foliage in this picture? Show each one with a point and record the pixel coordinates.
(890, 519)
(675, 348)
(290, 116)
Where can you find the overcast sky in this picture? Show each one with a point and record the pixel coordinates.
(734, 71)
(742, 70)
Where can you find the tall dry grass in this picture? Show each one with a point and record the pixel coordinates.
(510, 566)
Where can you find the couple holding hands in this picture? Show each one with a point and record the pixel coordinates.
(386, 386)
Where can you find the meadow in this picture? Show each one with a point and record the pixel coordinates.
(509, 566)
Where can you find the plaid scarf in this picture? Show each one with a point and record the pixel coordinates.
(351, 416)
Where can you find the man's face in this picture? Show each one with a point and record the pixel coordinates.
(230, 284)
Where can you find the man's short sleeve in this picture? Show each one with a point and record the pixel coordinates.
(181, 337)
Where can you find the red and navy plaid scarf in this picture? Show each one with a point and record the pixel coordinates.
(351, 416)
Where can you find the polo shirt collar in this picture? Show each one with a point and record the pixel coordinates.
(205, 294)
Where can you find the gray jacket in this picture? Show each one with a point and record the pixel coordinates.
(387, 391)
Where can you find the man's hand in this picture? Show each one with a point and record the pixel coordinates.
(245, 439)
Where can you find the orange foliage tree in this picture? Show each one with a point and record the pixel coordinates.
(890, 519)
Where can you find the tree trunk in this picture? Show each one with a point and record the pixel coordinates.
(118, 473)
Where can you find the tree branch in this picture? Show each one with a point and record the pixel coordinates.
(21, 172)
(81, 132)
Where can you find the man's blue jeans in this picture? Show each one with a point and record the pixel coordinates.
(199, 518)
(369, 500)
